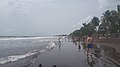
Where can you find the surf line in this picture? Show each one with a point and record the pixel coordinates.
(13, 58)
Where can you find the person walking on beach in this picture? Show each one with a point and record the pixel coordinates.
(59, 39)
(89, 43)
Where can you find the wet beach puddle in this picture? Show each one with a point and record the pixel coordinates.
(108, 56)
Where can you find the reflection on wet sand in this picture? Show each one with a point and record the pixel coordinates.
(90, 62)
(107, 55)
(59, 44)
(79, 47)
(77, 44)
(32, 60)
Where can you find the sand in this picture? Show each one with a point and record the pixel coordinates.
(115, 43)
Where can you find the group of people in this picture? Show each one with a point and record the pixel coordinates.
(88, 45)
(88, 40)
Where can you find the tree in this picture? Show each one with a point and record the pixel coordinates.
(95, 21)
(102, 29)
(113, 22)
(106, 17)
(87, 29)
(110, 21)
(75, 33)
(110, 24)
(118, 9)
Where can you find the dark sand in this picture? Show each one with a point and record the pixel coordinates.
(115, 43)
(69, 54)
(65, 55)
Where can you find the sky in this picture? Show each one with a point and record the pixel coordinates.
(49, 17)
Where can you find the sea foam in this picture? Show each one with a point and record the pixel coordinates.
(13, 58)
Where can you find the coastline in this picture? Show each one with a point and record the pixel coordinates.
(70, 54)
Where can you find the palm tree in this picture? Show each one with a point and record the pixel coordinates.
(118, 9)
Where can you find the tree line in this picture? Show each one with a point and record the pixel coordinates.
(107, 26)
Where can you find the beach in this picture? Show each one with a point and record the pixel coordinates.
(115, 43)
(65, 53)
(71, 54)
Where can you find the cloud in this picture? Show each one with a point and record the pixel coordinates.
(74, 26)
(19, 7)
(87, 19)
(107, 4)
(102, 4)
(83, 20)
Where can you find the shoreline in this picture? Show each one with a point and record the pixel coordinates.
(66, 54)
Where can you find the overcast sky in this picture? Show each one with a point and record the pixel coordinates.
(49, 17)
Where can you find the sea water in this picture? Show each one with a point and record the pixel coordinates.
(13, 49)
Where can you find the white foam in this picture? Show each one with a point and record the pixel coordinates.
(13, 58)
(21, 38)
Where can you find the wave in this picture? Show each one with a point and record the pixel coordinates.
(13, 58)
(21, 38)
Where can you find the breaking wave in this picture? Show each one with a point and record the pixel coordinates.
(13, 58)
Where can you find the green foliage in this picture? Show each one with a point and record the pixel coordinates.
(118, 8)
(110, 24)
(111, 20)
(87, 29)
(95, 21)
(75, 33)
(102, 29)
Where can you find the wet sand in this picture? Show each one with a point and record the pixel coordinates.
(115, 43)
(66, 54)
(71, 54)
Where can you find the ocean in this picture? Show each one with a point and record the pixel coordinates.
(18, 49)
